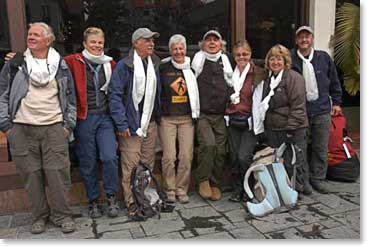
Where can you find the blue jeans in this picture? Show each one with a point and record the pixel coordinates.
(96, 139)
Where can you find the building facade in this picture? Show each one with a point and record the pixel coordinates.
(262, 22)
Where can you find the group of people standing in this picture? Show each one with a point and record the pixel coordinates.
(124, 107)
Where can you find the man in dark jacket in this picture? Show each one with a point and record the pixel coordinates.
(134, 101)
(323, 92)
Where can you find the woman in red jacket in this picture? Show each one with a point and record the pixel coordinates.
(95, 134)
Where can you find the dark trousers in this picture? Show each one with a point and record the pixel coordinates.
(241, 144)
(40, 153)
(319, 132)
(212, 138)
(96, 139)
(276, 138)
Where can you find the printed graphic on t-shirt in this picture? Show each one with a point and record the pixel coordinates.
(179, 86)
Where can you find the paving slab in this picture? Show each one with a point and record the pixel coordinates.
(335, 204)
(206, 211)
(172, 235)
(21, 219)
(5, 221)
(152, 227)
(195, 201)
(79, 234)
(45, 235)
(342, 232)
(337, 187)
(137, 232)
(353, 198)
(120, 223)
(224, 204)
(351, 219)
(248, 232)
(311, 231)
(275, 222)
(8, 233)
(123, 234)
(187, 234)
(306, 215)
(290, 233)
(219, 235)
(236, 215)
(330, 223)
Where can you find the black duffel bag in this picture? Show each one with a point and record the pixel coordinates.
(239, 121)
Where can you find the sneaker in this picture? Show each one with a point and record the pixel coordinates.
(95, 210)
(183, 199)
(113, 208)
(68, 226)
(38, 227)
(319, 186)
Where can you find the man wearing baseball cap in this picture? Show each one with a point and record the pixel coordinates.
(134, 101)
(323, 93)
(214, 76)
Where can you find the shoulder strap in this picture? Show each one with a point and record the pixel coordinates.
(14, 63)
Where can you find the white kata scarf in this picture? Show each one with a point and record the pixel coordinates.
(312, 91)
(199, 60)
(41, 71)
(101, 59)
(238, 81)
(144, 86)
(259, 106)
(192, 85)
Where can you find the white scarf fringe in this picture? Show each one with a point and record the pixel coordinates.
(238, 81)
(144, 86)
(259, 106)
(308, 71)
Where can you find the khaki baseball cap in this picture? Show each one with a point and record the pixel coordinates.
(143, 32)
(304, 28)
(212, 32)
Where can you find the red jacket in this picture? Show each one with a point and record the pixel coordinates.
(76, 64)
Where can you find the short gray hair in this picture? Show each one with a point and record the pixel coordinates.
(177, 39)
(49, 33)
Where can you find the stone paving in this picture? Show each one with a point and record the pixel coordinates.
(330, 216)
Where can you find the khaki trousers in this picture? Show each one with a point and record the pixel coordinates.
(40, 153)
(175, 128)
(133, 149)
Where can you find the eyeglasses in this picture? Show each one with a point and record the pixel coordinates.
(242, 54)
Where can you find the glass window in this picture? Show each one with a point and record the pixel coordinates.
(4, 32)
(119, 19)
(269, 22)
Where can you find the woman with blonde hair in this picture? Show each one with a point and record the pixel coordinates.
(280, 103)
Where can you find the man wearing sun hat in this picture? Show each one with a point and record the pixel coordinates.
(323, 93)
(134, 100)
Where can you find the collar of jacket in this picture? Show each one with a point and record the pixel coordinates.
(130, 60)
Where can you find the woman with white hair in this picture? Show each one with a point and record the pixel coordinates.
(180, 107)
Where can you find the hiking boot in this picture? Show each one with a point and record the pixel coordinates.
(183, 199)
(38, 227)
(112, 207)
(235, 197)
(307, 189)
(319, 186)
(95, 210)
(171, 198)
(204, 189)
(68, 225)
(216, 194)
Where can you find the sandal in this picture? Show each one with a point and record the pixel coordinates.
(68, 226)
(38, 227)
